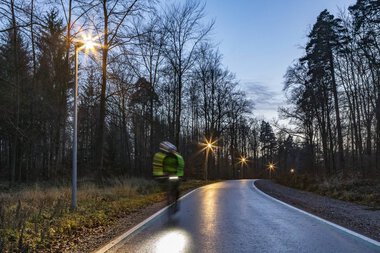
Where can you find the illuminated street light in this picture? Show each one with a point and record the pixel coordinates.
(88, 44)
(243, 160)
(292, 172)
(271, 167)
(208, 145)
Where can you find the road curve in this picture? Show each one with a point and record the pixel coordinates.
(234, 216)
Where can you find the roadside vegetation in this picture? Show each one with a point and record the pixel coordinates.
(38, 218)
(361, 191)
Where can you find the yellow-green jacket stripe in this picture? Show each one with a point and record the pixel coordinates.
(171, 164)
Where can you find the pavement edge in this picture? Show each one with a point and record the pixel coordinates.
(123, 236)
(365, 238)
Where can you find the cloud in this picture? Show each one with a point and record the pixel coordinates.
(263, 97)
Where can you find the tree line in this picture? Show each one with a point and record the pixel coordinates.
(333, 93)
(156, 76)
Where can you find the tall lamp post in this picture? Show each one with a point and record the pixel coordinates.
(88, 44)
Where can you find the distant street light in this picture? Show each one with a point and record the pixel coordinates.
(292, 172)
(88, 44)
(243, 162)
(208, 145)
(271, 168)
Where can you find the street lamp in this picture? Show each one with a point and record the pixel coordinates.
(88, 44)
(208, 145)
(243, 162)
(271, 168)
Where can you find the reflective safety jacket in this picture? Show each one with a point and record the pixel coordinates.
(168, 164)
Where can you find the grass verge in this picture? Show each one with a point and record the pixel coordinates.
(360, 191)
(39, 219)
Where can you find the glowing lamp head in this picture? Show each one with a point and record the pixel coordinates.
(87, 42)
(208, 145)
(243, 160)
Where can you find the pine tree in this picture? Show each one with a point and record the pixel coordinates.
(324, 40)
(51, 85)
(14, 100)
(268, 142)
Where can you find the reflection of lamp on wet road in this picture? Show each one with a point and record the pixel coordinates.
(172, 241)
(271, 168)
(208, 145)
(88, 44)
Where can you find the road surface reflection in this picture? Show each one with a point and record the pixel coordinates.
(173, 240)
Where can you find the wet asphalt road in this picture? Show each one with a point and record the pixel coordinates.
(232, 216)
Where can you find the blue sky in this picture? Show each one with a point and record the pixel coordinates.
(259, 39)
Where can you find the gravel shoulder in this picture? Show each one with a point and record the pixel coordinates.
(359, 218)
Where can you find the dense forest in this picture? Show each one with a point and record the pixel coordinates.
(157, 75)
(334, 93)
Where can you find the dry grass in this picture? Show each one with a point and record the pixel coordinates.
(361, 191)
(38, 218)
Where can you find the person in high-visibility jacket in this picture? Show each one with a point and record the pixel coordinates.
(168, 162)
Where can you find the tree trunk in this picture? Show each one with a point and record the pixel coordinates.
(179, 108)
(102, 109)
(17, 95)
(337, 114)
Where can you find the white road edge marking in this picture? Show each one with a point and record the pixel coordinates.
(318, 218)
(117, 240)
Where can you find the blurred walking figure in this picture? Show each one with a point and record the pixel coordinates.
(168, 167)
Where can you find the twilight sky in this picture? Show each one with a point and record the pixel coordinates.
(259, 39)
